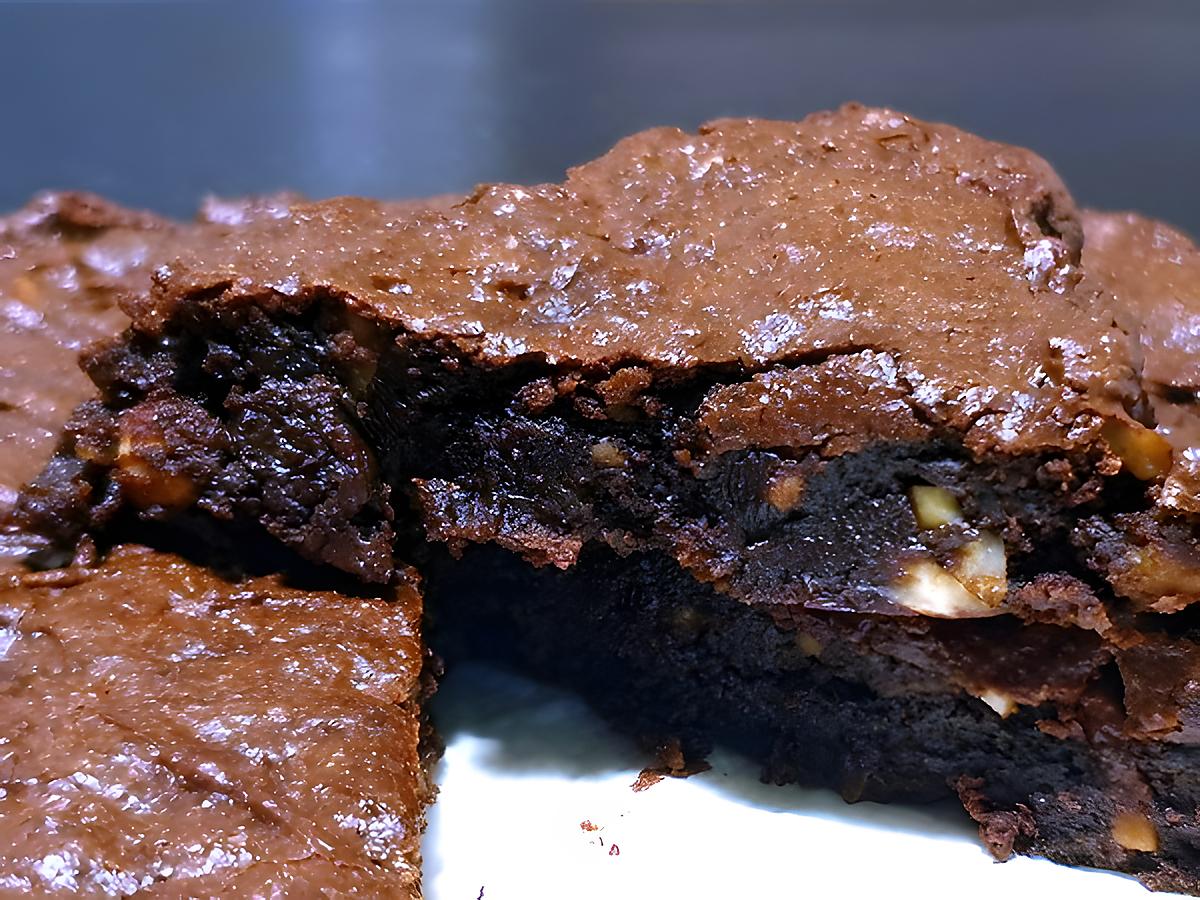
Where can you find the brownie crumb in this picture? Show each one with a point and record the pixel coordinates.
(671, 763)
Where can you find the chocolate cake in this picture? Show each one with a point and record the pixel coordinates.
(169, 730)
(825, 439)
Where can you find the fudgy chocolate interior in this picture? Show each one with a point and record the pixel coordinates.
(685, 602)
(666, 658)
(532, 457)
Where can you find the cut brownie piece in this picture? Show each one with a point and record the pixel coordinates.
(828, 395)
(878, 710)
(1150, 273)
(655, 294)
(171, 729)
(66, 262)
(168, 729)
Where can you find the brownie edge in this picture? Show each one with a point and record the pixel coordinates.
(167, 729)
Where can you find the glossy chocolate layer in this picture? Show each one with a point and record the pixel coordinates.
(748, 243)
(166, 729)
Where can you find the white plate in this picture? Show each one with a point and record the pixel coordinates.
(526, 765)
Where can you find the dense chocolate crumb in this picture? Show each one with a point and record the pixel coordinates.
(671, 763)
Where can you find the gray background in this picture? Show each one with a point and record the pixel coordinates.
(157, 103)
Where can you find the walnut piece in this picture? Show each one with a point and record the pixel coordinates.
(974, 583)
(1002, 703)
(928, 589)
(140, 471)
(784, 492)
(1145, 453)
(1135, 831)
(934, 506)
(981, 566)
(807, 644)
(607, 455)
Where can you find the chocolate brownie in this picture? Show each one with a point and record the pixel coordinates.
(66, 261)
(171, 728)
(1150, 273)
(167, 729)
(817, 437)
(63, 261)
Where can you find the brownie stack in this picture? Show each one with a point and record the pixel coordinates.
(169, 728)
(851, 442)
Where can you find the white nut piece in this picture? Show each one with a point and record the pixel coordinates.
(1002, 703)
(1135, 831)
(982, 568)
(928, 589)
(934, 506)
(808, 645)
(785, 492)
(607, 455)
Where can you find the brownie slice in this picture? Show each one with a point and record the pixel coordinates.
(1150, 274)
(805, 436)
(167, 729)
(66, 262)
(172, 728)
(64, 259)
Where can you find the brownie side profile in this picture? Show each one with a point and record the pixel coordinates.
(877, 710)
(933, 274)
(844, 387)
(167, 729)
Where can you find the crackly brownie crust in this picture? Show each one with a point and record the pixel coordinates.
(166, 728)
(838, 378)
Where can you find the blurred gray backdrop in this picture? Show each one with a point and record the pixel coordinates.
(158, 103)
